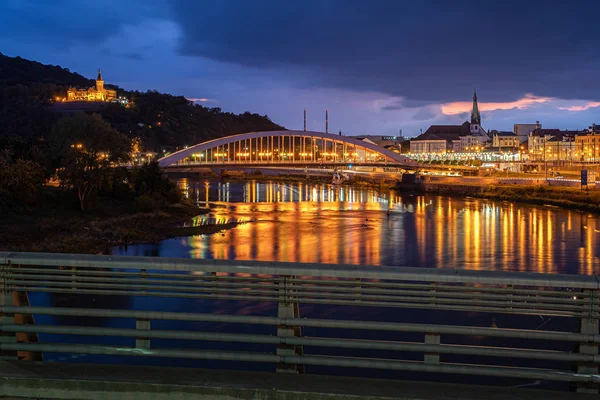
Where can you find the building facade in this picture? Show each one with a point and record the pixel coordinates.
(98, 93)
(439, 139)
(505, 141)
(523, 130)
(588, 146)
(382, 141)
(553, 145)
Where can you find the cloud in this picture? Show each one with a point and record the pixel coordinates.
(200, 99)
(424, 114)
(65, 23)
(587, 106)
(428, 50)
(521, 104)
(378, 66)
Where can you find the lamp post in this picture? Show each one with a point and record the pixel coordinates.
(545, 161)
(521, 157)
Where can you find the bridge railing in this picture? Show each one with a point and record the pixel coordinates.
(568, 355)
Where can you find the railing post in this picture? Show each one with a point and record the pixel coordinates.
(144, 324)
(432, 338)
(142, 342)
(22, 299)
(6, 299)
(589, 326)
(288, 308)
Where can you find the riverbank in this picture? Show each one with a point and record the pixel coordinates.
(69, 231)
(564, 197)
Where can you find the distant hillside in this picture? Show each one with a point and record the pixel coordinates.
(17, 70)
(162, 121)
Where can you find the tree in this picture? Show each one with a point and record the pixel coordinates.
(86, 148)
(19, 179)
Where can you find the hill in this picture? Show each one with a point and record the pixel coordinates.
(17, 70)
(163, 122)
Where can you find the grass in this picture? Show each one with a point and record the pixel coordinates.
(565, 197)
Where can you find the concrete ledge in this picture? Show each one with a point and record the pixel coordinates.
(22, 379)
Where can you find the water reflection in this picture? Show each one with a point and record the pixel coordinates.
(323, 224)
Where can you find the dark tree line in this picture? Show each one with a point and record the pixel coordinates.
(163, 122)
(38, 140)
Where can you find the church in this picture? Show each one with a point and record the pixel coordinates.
(452, 138)
(98, 93)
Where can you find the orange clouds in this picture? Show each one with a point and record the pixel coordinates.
(459, 107)
(590, 104)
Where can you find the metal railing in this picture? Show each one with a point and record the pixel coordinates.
(289, 285)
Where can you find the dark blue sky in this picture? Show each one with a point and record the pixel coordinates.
(377, 65)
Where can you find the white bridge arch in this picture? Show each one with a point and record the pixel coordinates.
(303, 147)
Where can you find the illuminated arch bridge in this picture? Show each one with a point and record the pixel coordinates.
(284, 147)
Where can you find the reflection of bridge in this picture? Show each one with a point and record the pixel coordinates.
(285, 148)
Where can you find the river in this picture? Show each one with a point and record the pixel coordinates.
(323, 224)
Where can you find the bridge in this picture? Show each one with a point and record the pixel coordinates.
(285, 148)
(287, 326)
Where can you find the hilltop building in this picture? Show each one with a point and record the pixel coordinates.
(469, 136)
(98, 93)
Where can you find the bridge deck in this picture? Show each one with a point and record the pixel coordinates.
(86, 381)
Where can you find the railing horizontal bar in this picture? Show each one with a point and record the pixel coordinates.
(492, 288)
(307, 341)
(440, 291)
(446, 368)
(303, 280)
(301, 269)
(142, 285)
(146, 274)
(515, 372)
(437, 292)
(314, 323)
(146, 293)
(190, 281)
(300, 297)
(426, 297)
(131, 351)
(357, 302)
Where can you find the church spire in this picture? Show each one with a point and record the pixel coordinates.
(475, 117)
(99, 75)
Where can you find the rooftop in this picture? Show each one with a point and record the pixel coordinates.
(445, 132)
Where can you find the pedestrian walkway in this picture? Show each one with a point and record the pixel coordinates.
(21, 379)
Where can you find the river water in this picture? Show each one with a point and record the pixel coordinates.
(323, 224)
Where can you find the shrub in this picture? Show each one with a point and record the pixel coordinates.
(173, 196)
(149, 202)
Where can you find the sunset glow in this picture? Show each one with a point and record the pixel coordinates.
(591, 104)
(459, 107)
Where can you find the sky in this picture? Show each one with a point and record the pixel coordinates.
(378, 66)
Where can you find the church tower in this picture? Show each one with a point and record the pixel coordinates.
(475, 117)
(99, 82)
